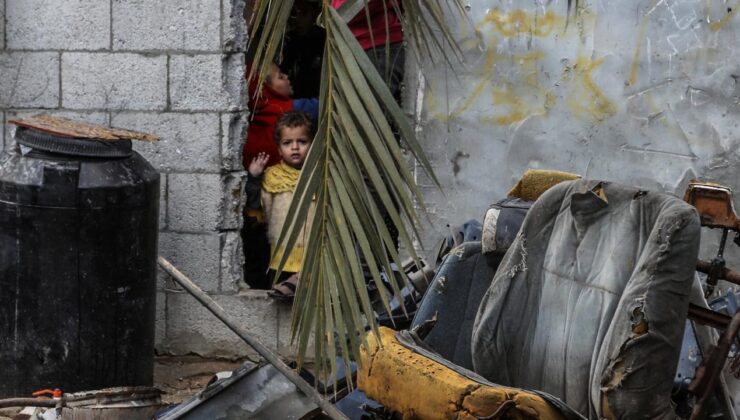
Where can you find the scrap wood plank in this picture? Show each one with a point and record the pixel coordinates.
(75, 129)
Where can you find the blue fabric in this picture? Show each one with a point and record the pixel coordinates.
(308, 105)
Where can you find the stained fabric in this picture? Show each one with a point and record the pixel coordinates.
(417, 384)
(453, 297)
(502, 223)
(589, 303)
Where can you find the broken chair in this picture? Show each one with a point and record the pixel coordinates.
(584, 317)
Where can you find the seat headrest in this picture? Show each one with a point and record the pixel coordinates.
(535, 182)
(503, 219)
(501, 224)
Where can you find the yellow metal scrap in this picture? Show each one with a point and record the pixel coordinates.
(421, 388)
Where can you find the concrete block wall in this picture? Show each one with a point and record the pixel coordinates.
(172, 68)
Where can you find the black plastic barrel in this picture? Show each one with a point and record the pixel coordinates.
(78, 247)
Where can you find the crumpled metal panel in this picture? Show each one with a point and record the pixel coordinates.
(249, 393)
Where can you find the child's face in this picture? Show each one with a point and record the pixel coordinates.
(278, 81)
(293, 145)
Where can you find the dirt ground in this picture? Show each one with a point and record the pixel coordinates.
(179, 377)
(182, 376)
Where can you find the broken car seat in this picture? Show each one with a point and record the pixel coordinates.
(463, 278)
(453, 298)
(590, 301)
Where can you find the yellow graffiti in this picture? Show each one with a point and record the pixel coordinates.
(638, 49)
(520, 21)
(518, 107)
(480, 87)
(521, 99)
(515, 100)
(716, 26)
(514, 81)
(585, 98)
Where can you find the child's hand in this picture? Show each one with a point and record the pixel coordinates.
(257, 166)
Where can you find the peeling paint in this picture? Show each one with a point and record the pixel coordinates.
(586, 98)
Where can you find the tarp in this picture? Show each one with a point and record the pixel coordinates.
(589, 302)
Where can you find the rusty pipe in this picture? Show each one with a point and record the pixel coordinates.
(706, 381)
(708, 317)
(724, 274)
(27, 402)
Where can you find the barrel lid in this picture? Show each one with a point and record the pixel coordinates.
(69, 137)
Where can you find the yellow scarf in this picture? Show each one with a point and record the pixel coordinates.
(280, 178)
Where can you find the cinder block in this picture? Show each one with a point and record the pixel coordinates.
(188, 142)
(193, 329)
(185, 25)
(90, 117)
(232, 203)
(232, 263)
(196, 255)
(58, 24)
(234, 26)
(206, 82)
(233, 134)
(29, 80)
(114, 81)
(193, 202)
(286, 347)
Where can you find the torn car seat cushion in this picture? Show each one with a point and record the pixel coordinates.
(589, 302)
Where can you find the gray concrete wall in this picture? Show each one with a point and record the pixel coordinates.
(639, 92)
(173, 68)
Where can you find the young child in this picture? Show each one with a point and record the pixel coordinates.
(293, 135)
(266, 107)
(272, 102)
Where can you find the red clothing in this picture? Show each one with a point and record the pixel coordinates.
(266, 110)
(358, 24)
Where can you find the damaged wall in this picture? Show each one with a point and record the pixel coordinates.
(175, 69)
(640, 92)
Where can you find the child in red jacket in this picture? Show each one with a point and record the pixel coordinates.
(267, 107)
(274, 100)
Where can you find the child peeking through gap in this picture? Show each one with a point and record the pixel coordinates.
(293, 135)
(267, 106)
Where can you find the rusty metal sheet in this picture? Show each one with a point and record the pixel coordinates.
(70, 128)
(714, 204)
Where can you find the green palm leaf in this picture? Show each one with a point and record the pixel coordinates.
(354, 173)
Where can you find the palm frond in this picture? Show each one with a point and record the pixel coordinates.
(424, 23)
(268, 22)
(354, 174)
